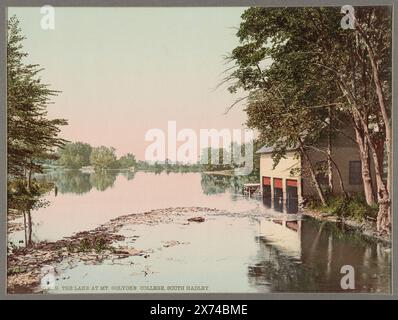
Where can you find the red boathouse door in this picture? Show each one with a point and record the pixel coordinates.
(278, 194)
(291, 196)
(267, 191)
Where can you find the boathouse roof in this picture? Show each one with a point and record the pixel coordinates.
(266, 149)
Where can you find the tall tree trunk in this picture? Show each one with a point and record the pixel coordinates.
(383, 108)
(312, 172)
(341, 181)
(25, 229)
(365, 166)
(30, 228)
(383, 192)
(29, 177)
(383, 197)
(329, 152)
(380, 150)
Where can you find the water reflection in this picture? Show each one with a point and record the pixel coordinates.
(25, 209)
(79, 182)
(277, 203)
(65, 182)
(283, 255)
(215, 184)
(308, 256)
(83, 200)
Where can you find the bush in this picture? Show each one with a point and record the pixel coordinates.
(353, 207)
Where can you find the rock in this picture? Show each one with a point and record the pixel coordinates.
(94, 246)
(129, 251)
(196, 219)
(171, 243)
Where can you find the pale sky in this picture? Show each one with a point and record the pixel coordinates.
(123, 71)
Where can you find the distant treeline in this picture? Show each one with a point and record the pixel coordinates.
(79, 154)
(158, 167)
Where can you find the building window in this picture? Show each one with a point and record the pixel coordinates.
(355, 173)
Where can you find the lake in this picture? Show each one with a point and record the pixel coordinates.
(253, 249)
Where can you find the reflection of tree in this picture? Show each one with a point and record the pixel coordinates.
(72, 181)
(279, 271)
(78, 182)
(22, 202)
(103, 179)
(128, 174)
(214, 184)
(324, 248)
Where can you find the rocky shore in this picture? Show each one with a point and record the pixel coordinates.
(109, 242)
(91, 247)
(367, 227)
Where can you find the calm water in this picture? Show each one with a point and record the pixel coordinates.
(255, 250)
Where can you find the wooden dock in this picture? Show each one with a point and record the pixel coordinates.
(249, 189)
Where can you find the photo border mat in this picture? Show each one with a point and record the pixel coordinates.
(186, 296)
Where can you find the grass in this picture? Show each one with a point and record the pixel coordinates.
(15, 270)
(97, 244)
(354, 207)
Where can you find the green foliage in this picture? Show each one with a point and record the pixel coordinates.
(75, 155)
(274, 63)
(158, 167)
(127, 161)
(22, 199)
(298, 64)
(97, 244)
(78, 154)
(353, 207)
(212, 159)
(215, 159)
(103, 158)
(31, 136)
(16, 270)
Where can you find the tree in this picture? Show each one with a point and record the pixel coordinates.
(352, 66)
(286, 125)
(32, 137)
(103, 158)
(127, 161)
(75, 155)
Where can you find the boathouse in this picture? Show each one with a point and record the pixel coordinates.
(287, 185)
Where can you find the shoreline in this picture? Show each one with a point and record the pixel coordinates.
(24, 264)
(226, 173)
(366, 228)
